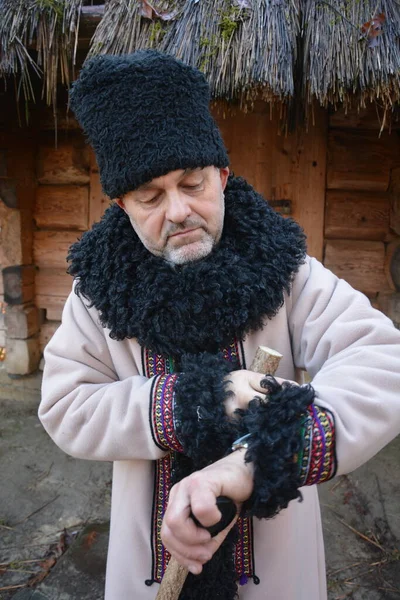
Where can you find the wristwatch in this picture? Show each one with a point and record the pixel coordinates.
(241, 443)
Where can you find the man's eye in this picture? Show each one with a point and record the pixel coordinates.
(152, 200)
(192, 186)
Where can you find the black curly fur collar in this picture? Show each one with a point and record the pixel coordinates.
(200, 306)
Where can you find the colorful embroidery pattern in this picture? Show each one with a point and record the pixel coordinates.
(162, 487)
(155, 364)
(231, 353)
(163, 413)
(164, 436)
(244, 550)
(318, 461)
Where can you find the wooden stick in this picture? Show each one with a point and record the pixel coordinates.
(265, 361)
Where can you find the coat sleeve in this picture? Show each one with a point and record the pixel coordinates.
(352, 353)
(85, 408)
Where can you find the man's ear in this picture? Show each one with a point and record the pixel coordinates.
(224, 174)
(120, 203)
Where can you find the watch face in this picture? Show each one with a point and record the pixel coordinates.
(242, 442)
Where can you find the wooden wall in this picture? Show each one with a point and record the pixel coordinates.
(289, 169)
(19, 318)
(61, 214)
(339, 182)
(361, 195)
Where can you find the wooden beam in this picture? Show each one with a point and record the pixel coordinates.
(66, 164)
(53, 282)
(361, 264)
(356, 215)
(53, 305)
(50, 248)
(360, 160)
(22, 321)
(283, 168)
(22, 356)
(47, 331)
(62, 207)
(370, 118)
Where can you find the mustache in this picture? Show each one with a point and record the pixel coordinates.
(189, 223)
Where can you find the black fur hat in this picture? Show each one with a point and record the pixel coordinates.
(145, 114)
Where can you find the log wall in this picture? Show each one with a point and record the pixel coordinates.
(61, 214)
(339, 181)
(19, 317)
(289, 170)
(362, 217)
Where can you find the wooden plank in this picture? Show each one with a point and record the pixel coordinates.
(66, 164)
(50, 248)
(356, 215)
(98, 201)
(47, 331)
(53, 305)
(62, 207)
(22, 356)
(370, 118)
(11, 252)
(22, 321)
(291, 168)
(53, 282)
(360, 263)
(360, 160)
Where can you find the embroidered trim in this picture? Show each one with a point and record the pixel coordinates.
(163, 413)
(162, 486)
(155, 364)
(244, 564)
(164, 436)
(231, 353)
(318, 460)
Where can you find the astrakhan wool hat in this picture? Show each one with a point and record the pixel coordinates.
(145, 114)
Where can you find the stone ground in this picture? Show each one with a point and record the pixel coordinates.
(54, 514)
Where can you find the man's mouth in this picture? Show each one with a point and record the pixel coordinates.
(185, 232)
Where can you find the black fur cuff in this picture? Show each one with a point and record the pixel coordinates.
(274, 444)
(203, 428)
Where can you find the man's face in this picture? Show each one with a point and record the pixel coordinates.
(179, 216)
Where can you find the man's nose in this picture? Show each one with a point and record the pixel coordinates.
(178, 208)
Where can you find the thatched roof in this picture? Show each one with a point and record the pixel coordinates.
(336, 51)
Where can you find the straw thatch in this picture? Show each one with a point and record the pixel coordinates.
(342, 58)
(335, 51)
(39, 36)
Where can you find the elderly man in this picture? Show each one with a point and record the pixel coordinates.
(188, 272)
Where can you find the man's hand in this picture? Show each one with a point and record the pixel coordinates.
(244, 386)
(193, 546)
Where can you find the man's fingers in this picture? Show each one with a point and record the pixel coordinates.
(187, 554)
(255, 380)
(184, 529)
(204, 506)
(178, 527)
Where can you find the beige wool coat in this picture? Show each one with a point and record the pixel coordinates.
(95, 405)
